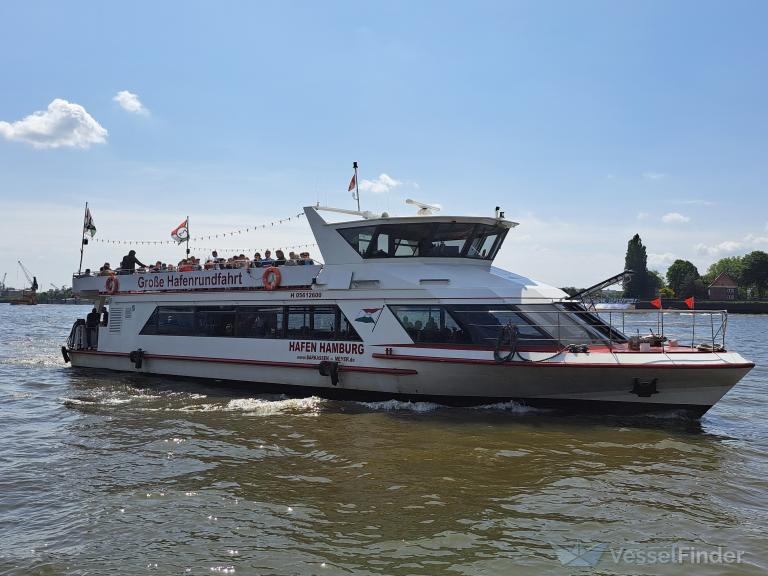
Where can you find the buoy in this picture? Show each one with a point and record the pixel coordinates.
(271, 278)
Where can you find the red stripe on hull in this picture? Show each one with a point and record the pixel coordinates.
(343, 367)
(535, 364)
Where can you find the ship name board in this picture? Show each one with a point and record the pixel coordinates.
(313, 346)
(186, 280)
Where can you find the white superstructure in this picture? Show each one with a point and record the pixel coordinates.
(407, 307)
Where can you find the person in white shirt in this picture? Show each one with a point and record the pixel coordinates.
(212, 262)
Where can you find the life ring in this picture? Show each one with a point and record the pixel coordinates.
(112, 285)
(271, 278)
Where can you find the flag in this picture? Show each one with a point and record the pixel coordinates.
(88, 225)
(656, 303)
(353, 186)
(690, 302)
(181, 232)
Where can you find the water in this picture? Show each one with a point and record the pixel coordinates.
(104, 473)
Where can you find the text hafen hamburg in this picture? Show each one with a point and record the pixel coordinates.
(326, 347)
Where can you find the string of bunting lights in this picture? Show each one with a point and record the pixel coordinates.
(203, 236)
(195, 247)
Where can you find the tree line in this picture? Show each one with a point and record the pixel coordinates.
(683, 278)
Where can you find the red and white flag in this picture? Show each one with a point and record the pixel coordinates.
(656, 303)
(181, 232)
(690, 302)
(353, 186)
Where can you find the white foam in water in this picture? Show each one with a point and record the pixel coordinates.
(393, 405)
(262, 407)
(509, 406)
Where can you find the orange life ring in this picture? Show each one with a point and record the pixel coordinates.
(112, 285)
(271, 278)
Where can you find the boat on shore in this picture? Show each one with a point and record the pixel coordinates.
(402, 307)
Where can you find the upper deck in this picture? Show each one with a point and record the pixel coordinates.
(229, 279)
(435, 256)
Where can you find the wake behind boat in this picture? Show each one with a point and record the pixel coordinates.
(402, 307)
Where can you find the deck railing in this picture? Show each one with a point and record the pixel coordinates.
(662, 329)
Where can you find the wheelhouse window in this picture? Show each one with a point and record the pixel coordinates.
(427, 240)
(323, 322)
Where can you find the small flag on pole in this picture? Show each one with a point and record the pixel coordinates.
(656, 303)
(180, 233)
(353, 186)
(690, 302)
(88, 225)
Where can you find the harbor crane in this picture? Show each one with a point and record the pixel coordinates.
(2, 284)
(31, 279)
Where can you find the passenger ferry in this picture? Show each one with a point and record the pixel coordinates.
(402, 307)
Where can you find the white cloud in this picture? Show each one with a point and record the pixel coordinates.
(694, 202)
(661, 260)
(130, 102)
(653, 175)
(721, 249)
(674, 218)
(62, 124)
(381, 185)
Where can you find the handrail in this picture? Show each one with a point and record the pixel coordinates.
(616, 326)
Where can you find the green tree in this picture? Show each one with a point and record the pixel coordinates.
(655, 282)
(681, 277)
(754, 273)
(732, 265)
(666, 292)
(636, 286)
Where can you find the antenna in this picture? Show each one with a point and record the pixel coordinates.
(424, 209)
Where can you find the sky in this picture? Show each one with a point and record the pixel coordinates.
(587, 122)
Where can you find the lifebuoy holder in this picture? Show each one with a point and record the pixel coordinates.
(111, 286)
(271, 278)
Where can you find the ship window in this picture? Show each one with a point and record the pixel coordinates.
(359, 238)
(430, 324)
(305, 322)
(564, 326)
(484, 322)
(174, 321)
(428, 239)
(299, 321)
(215, 321)
(323, 322)
(258, 322)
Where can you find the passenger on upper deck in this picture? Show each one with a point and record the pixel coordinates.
(128, 264)
(306, 260)
(256, 260)
(105, 270)
(279, 258)
(268, 261)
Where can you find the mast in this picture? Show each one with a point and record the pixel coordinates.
(83, 240)
(357, 186)
(187, 236)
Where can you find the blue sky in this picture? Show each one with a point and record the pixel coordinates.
(587, 122)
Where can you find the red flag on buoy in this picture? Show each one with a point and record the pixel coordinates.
(656, 303)
(690, 302)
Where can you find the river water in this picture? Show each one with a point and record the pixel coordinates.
(107, 473)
